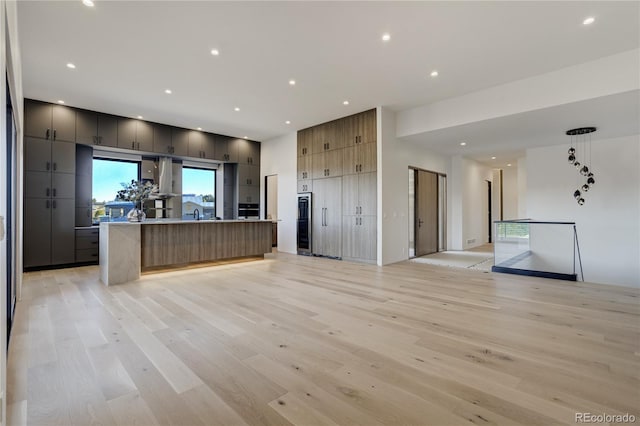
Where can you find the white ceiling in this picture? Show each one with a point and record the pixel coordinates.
(128, 53)
(508, 137)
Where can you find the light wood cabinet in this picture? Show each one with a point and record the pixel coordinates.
(305, 185)
(359, 238)
(305, 142)
(327, 223)
(359, 194)
(326, 137)
(305, 167)
(327, 164)
(359, 216)
(360, 158)
(345, 218)
(360, 128)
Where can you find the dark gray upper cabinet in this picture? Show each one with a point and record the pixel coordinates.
(49, 121)
(248, 152)
(179, 141)
(107, 130)
(161, 139)
(226, 148)
(201, 144)
(135, 134)
(37, 154)
(144, 135)
(86, 127)
(196, 142)
(93, 128)
(248, 174)
(63, 157)
(127, 133)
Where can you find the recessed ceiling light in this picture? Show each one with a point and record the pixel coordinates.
(509, 165)
(588, 21)
(246, 137)
(61, 101)
(215, 52)
(236, 109)
(434, 73)
(386, 37)
(88, 3)
(199, 128)
(140, 117)
(463, 144)
(493, 158)
(292, 82)
(167, 91)
(287, 122)
(70, 65)
(345, 103)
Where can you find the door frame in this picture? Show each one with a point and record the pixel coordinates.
(442, 210)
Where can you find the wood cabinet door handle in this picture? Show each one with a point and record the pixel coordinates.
(46, 134)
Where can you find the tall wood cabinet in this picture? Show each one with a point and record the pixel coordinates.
(327, 217)
(337, 163)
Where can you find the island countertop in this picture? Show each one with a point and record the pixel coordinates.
(179, 221)
(129, 248)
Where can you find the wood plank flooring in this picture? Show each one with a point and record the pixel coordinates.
(308, 341)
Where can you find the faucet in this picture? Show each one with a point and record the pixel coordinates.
(196, 214)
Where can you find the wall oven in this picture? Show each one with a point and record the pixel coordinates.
(304, 223)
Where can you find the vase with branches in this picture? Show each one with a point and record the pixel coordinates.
(137, 192)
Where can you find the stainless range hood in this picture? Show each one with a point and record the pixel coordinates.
(165, 180)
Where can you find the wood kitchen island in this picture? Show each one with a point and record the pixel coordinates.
(129, 248)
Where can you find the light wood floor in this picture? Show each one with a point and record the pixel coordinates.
(307, 341)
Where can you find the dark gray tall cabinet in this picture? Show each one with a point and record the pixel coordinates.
(49, 207)
(84, 180)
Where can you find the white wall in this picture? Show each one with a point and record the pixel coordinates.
(609, 222)
(522, 188)
(475, 224)
(510, 193)
(278, 156)
(394, 159)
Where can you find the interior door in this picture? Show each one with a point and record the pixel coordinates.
(426, 213)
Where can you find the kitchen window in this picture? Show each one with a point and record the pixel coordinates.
(108, 177)
(198, 193)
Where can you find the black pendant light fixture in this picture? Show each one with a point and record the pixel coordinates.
(579, 137)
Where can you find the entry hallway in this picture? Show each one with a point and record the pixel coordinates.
(309, 341)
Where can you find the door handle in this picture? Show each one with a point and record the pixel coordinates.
(46, 134)
(53, 204)
(54, 192)
(55, 166)
(48, 203)
(48, 192)
(420, 222)
(54, 134)
(48, 165)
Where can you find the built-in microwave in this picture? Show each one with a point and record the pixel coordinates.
(304, 223)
